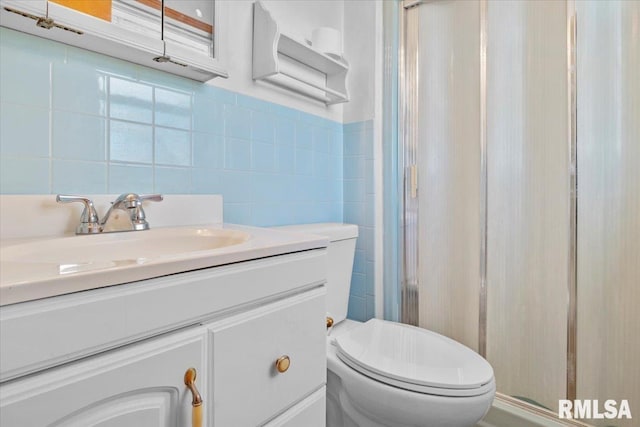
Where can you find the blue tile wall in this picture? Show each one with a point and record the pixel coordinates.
(73, 121)
(359, 209)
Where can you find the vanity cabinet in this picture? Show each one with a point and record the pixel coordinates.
(254, 331)
(249, 387)
(186, 42)
(141, 385)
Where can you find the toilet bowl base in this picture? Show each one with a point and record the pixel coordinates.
(355, 400)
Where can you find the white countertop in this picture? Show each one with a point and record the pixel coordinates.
(27, 278)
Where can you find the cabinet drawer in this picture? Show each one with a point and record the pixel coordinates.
(137, 386)
(48, 332)
(247, 389)
(311, 412)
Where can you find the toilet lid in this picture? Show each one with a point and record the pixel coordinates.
(415, 359)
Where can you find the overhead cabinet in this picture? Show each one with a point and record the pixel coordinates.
(179, 37)
(284, 61)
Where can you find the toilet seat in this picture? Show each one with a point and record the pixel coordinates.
(414, 359)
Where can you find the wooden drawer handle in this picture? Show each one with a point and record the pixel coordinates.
(190, 382)
(283, 363)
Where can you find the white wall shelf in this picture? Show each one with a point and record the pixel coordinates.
(295, 65)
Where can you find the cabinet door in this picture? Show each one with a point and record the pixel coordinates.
(138, 386)
(131, 30)
(248, 389)
(23, 15)
(98, 8)
(190, 23)
(119, 28)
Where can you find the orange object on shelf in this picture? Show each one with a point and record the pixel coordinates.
(98, 8)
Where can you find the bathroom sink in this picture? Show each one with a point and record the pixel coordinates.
(46, 267)
(79, 253)
(38, 268)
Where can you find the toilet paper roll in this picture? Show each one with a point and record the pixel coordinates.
(327, 40)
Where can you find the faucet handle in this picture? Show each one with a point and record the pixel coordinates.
(89, 220)
(138, 217)
(151, 197)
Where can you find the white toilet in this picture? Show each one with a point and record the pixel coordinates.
(382, 373)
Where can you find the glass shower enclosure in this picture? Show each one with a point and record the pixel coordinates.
(520, 170)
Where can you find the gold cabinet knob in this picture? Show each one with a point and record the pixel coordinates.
(329, 322)
(283, 363)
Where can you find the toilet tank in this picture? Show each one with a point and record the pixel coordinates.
(340, 253)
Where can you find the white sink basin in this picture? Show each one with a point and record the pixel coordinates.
(82, 253)
(47, 267)
(38, 268)
(38, 260)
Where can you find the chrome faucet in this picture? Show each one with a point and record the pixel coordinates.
(129, 202)
(132, 204)
(89, 220)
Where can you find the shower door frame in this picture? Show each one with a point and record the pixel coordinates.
(407, 169)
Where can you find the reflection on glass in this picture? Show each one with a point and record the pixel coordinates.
(139, 16)
(98, 8)
(188, 23)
